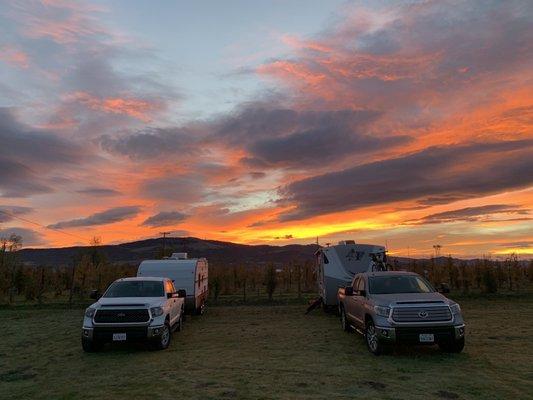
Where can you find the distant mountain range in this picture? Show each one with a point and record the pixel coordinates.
(226, 253)
(214, 251)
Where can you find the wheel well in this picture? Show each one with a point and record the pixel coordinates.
(368, 318)
(167, 318)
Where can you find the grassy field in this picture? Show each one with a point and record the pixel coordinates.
(261, 352)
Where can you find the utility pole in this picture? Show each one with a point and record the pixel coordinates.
(164, 234)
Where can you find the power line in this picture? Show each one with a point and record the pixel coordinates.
(43, 226)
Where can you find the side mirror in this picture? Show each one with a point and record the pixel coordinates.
(182, 293)
(362, 293)
(348, 291)
(444, 288)
(170, 295)
(95, 294)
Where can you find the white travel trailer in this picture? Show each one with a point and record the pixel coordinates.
(337, 265)
(189, 274)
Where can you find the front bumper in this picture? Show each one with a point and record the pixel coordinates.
(133, 333)
(407, 334)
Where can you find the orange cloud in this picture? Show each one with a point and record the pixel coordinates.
(135, 108)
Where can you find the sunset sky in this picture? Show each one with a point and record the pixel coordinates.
(405, 123)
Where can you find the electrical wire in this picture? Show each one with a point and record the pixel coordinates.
(43, 226)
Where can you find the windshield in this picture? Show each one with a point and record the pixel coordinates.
(135, 289)
(399, 284)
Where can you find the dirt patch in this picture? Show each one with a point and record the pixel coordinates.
(229, 393)
(19, 374)
(444, 394)
(375, 385)
(202, 385)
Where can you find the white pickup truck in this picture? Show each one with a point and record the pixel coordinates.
(134, 309)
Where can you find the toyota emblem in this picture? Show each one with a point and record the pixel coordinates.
(423, 314)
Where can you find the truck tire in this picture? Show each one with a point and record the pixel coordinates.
(453, 346)
(344, 322)
(179, 324)
(163, 341)
(374, 345)
(90, 346)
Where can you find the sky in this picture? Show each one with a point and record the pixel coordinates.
(402, 123)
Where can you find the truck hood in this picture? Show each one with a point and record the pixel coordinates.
(395, 298)
(130, 301)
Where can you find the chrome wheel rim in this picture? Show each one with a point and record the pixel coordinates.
(165, 336)
(372, 337)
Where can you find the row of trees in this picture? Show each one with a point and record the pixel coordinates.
(90, 269)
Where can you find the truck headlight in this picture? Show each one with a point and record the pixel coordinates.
(455, 309)
(89, 313)
(382, 311)
(156, 311)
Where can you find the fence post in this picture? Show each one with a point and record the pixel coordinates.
(71, 285)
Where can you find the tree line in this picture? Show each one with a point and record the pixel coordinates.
(90, 269)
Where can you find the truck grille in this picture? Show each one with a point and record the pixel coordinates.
(121, 316)
(421, 314)
(411, 335)
(105, 334)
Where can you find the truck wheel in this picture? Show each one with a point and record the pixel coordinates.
(179, 325)
(453, 346)
(163, 341)
(374, 345)
(344, 322)
(90, 346)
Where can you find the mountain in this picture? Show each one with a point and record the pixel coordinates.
(215, 251)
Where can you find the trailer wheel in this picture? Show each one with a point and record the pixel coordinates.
(344, 322)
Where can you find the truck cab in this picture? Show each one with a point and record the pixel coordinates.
(391, 307)
(134, 309)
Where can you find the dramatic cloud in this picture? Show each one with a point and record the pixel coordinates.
(175, 188)
(7, 213)
(471, 213)
(25, 152)
(459, 171)
(153, 143)
(392, 119)
(29, 236)
(98, 191)
(110, 216)
(165, 218)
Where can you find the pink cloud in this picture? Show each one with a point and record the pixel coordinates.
(14, 56)
(132, 107)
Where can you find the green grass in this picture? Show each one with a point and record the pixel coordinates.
(261, 352)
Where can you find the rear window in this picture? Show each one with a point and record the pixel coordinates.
(398, 284)
(135, 289)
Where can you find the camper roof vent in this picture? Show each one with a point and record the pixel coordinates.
(179, 256)
(346, 242)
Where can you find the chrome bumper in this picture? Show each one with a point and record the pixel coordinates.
(386, 333)
(151, 333)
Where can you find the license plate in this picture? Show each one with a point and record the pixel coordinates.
(426, 338)
(119, 337)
